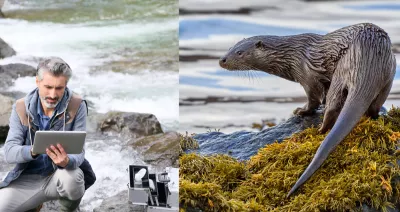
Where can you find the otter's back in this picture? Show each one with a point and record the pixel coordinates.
(335, 44)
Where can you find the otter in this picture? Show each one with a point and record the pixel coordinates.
(352, 69)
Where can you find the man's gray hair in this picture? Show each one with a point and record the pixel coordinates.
(56, 66)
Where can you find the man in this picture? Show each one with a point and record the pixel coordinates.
(54, 175)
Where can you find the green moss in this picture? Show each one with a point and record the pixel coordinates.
(394, 118)
(187, 142)
(363, 169)
(220, 169)
(210, 197)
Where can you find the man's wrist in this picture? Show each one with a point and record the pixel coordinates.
(33, 154)
(66, 164)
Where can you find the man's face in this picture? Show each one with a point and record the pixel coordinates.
(51, 89)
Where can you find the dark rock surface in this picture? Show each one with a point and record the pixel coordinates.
(131, 125)
(13, 94)
(242, 145)
(5, 49)
(10, 72)
(16, 70)
(161, 150)
(5, 112)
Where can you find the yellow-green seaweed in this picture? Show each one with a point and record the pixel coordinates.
(363, 169)
(187, 142)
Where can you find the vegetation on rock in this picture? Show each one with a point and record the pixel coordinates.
(186, 142)
(363, 169)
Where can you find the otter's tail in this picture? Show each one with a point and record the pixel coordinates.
(366, 68)
(348, 118)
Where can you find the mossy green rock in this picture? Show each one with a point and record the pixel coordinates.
(361, 172)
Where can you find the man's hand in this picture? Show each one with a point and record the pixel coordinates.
(58, 155)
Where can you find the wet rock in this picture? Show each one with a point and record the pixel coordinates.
(242, 145)
(119, 203)
(16, 70)
(13, 94)
(5, 112)
(50, 206)
(396, 47)
(10, 72)
(366, 208)
(161, 150)
(5, 49)
(130, 125)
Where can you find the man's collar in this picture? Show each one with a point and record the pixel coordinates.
(40, 111)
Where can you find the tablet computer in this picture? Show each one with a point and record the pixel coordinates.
(71, 141)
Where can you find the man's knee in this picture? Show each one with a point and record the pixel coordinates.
(71, 183)
(6, 201)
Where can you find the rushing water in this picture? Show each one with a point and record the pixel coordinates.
(124, 56)
(209, 28)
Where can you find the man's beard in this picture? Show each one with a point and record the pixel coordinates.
(50, 105)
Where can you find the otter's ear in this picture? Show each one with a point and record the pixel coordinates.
(259, 44)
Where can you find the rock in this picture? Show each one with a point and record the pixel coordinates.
(13, 94)
(94, 120)
(16, 70)
(119, 203)
(396, 47)
(161, 150)
(10, 72)
(366, 208)
(242, 145)
(50, 206)
(5, 49)
(130, 125)
(5, 112)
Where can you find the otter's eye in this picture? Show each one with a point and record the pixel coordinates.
(239, 52)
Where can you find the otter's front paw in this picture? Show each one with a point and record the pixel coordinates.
(323, 129)
(303, 112)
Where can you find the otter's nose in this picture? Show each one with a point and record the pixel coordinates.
(222, 61)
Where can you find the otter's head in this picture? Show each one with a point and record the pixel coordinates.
(245, 55)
